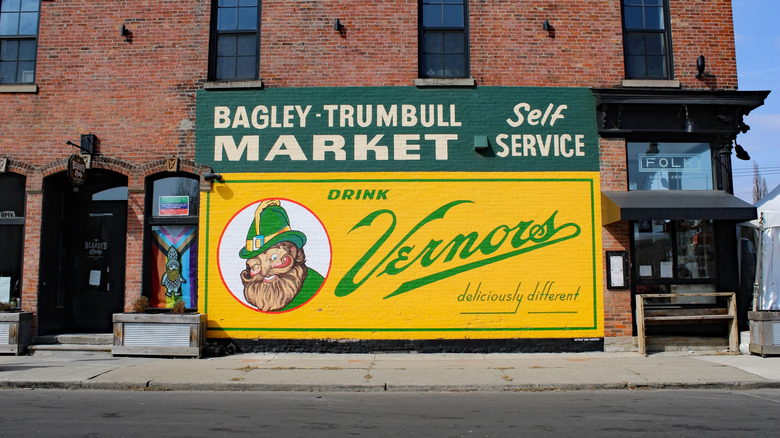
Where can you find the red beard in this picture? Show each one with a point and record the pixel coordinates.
(277, 294)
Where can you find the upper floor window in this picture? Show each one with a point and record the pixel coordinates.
(18, 40)
(646, 39)
(443, 39)
(235, 40)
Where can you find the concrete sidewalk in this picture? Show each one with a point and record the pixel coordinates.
(393, 372)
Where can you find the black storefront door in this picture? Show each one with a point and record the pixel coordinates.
(98, 267)
(82, 271)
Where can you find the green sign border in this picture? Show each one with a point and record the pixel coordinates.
(588, 181)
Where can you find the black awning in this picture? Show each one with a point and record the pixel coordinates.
(674, 204)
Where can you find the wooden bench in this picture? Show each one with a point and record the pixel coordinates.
(685, 313)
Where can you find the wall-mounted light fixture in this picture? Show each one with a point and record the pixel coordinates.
(87, 143)
(549, 28)
(652, 149)
(701, 64)
(337, 26)
(690, 126)
(741, 152)
(211, 176)
(481, 142)
(125, 32)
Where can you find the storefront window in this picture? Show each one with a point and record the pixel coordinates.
(682, 249)
(669, 166)
(11, 236)
(674, 256)
(172, 241)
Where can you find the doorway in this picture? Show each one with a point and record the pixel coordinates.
(82, 253)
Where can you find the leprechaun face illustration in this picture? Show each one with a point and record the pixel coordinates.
(276, 270)
(277, 260)
(273, 278)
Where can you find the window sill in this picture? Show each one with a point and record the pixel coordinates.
(232, 85)
(26, 88)
(445, 82)
(651, 83)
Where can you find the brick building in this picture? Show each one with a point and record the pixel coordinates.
(457, 172)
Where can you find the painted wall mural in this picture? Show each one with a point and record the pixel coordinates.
(174, 265)
(388, 239)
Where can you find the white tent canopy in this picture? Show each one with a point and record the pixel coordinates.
(771, 205)
(768, 263)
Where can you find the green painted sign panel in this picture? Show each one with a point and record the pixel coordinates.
(410, 129)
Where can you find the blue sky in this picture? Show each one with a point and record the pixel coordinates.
(757, 35)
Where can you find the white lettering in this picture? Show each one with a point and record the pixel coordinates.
(221, 117)
(241, 118)
(286, 145)
(402, 148)
(328, 143)
(441, 144)
(504, 148)
(330, 109)
(579, 144)
(260, 121)
(528, 145)
(408, 115)
(250, 143)
(453, 122)
(519, 121)
(362, 146)
(564, 151)
(364, 122)
(557, 114)
(302, 114)
(287, 120)
(387, 117)
(345, 118)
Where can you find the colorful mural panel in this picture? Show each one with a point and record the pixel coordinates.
(403, 256)
(400, 213)
(174, 265)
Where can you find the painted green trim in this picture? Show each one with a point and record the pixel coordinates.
(347, 180)
(397, 330)
(206, 287)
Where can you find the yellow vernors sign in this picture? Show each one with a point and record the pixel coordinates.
(402, 256)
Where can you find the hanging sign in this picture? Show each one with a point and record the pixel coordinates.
(77, 170)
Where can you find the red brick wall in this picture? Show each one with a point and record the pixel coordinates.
(615, 237)
(704, 27)
(133, 95)
(138, 96)
(300, 48)
(509, 46)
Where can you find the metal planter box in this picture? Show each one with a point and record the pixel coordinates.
(163, 334)
(15, 331)
(764, 332)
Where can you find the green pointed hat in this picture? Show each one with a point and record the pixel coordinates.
(271, 226)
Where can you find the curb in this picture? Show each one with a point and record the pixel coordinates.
(271, 387)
